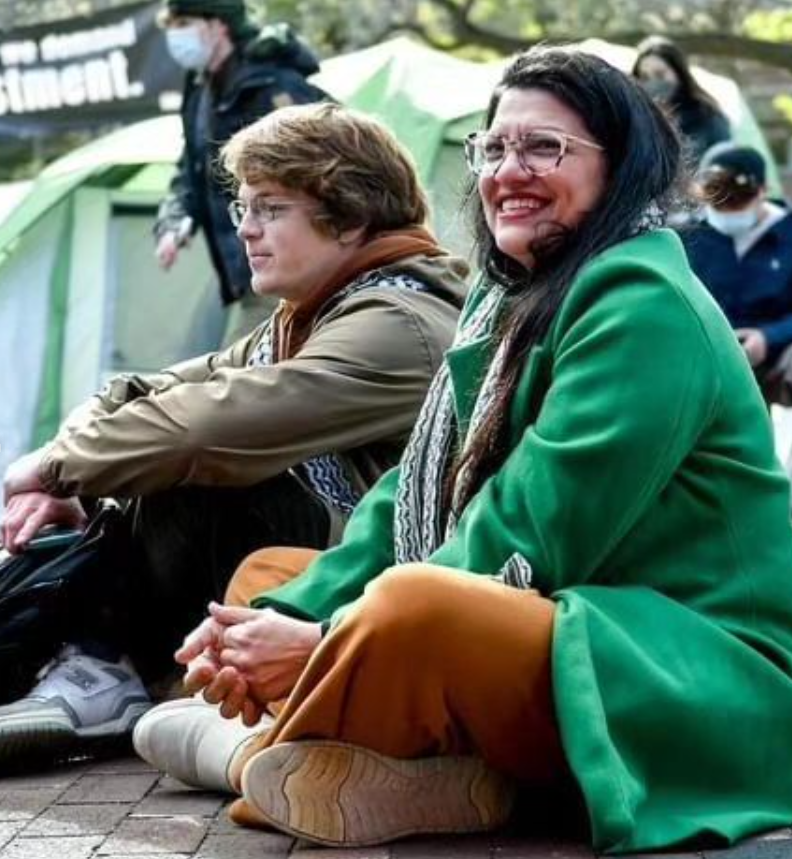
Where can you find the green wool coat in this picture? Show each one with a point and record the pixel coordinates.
(643, 489)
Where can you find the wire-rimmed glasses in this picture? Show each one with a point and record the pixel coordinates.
(261, 210)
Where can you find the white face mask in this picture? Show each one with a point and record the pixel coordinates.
(734, 224)
(188, 47)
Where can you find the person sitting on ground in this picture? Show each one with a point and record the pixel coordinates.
(742, 251)
(271, 442)
(578, 575)
(664, 71)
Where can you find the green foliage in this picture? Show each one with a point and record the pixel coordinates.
(783, 104)
(773, 26)
(336, 26)
(511, 17)
(274, 10)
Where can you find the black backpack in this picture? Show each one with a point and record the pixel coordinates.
(43, 600)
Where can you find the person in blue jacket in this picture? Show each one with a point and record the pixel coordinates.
(235, 75)
(742, 251)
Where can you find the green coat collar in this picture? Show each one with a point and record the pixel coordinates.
(467, 365)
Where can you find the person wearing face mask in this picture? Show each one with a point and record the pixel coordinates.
(742, 251)
(664, 72)
(234, 75)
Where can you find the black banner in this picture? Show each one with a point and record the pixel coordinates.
(112, 67)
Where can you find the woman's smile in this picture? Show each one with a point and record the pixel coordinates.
(514, 206)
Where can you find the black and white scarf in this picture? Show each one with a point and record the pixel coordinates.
(419, 527)
(326, 473)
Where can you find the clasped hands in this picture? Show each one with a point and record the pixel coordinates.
(245, 658)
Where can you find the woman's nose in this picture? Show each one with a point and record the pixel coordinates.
(511, 165)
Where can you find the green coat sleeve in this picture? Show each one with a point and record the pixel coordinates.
(599, 452)
(339, 575)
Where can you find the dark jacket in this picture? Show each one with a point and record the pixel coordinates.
(754, 290)
(702, 127)
(260, 76)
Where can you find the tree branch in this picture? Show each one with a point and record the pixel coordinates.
(715, 44)
(424, 34)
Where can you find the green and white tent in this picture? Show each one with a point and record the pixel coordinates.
(81, 297)
(80, 293)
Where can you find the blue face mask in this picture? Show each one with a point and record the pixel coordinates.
(188, 47)
(733, 224)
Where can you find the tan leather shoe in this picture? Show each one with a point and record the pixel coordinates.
(337, 794)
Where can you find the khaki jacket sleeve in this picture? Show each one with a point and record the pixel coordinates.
(359, 378)
(122, 389)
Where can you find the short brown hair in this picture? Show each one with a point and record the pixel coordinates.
(347, 161)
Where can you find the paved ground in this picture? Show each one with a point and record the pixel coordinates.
(122, 809)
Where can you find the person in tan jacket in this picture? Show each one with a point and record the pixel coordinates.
(271, 442)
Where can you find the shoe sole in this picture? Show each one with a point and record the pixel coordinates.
(341, 795)
(35, 740)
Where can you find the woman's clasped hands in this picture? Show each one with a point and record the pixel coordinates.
(245, 658)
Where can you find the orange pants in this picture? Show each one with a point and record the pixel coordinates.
(429, 661)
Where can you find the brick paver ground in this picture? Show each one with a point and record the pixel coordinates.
(122, 809)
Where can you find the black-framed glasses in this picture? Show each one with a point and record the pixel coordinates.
(262, 211)
(539, 152)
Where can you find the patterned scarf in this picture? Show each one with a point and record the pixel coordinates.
(326, 473)
(419, 526)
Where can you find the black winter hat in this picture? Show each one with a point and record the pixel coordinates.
(744, 163)
(233, 12)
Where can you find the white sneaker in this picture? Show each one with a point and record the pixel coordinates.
(79, 704)
(191, 741)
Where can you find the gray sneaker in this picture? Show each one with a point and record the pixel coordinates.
(80, 705)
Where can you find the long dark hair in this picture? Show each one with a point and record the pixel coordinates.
(644, 163)
(689, 91)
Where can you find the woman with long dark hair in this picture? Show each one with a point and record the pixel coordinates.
(663, 69)
(580, 572)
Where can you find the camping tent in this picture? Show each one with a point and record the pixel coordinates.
(80, 295)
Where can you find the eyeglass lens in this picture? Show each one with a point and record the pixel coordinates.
(262, 211)
(539, 152)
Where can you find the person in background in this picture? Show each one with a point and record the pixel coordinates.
(663, 70)
(742, 250)
(271, 442)
(578, 577)
(235, 75)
